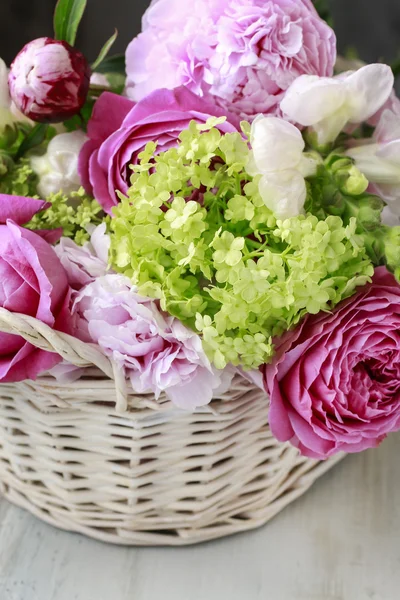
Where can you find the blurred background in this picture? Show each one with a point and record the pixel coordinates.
(370, 27)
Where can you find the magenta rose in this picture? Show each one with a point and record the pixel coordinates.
(245, 53)
(32, 282)
(334, 384)
(119, 130)
(49, 80)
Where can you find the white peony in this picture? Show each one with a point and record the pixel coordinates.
(58, 168)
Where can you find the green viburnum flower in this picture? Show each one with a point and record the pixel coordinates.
(339, 188)
(228, 249)
(71, 213)
(17, 178)
(194, 232)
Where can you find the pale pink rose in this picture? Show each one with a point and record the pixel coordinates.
(243, 52)
(334, 382)
(49, 80)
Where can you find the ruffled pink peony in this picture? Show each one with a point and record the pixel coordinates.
(49, 80)
(158, 352)
(243, 52)
(83, 264)
(32, 282)
(119, 131)
(335, 381)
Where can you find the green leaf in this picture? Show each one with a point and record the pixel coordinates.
(112, 64)
(34, 138)
(323, 9)
(396, 67)
(105, 50)
(67, 17)
(81, 120)
(117, 82)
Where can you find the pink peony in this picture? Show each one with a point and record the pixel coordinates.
(119, 130)
(158, 352)
(335, 381)
(83, 264)
(243, 52)
(49, 80)
(32, 282)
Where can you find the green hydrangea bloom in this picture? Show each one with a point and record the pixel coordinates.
(72, 213)
(195, 233)
(17, 178)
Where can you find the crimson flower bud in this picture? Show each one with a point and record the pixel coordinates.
(49, 80)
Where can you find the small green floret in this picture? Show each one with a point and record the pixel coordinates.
(72, 213)
(17, 178)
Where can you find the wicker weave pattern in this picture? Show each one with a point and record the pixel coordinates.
(123, 468)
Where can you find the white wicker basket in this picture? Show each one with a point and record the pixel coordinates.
(93, 458)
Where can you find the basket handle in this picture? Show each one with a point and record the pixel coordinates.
(68, 347)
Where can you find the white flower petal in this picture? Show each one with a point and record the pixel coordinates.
(58, 168)
(284, 193)
(312, 99)
(389, 218)
(380, 165)
(390, 152)
(328, 129)
(388, 127)
(390, 193)
(368, 90)
(277, 145)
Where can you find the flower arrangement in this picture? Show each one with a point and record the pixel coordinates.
(231, 205)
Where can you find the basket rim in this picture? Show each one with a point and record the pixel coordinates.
(70, 348)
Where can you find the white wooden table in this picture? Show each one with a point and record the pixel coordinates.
(341, 541)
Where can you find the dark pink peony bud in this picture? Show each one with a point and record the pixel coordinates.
(49, 80)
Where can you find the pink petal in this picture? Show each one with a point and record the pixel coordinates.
(20, 209)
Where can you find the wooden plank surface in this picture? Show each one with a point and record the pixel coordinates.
(341, 541)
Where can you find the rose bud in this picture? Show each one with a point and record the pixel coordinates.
(49, 80)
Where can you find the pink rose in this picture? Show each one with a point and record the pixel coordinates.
(32, 282)
(246, 53)
(49, 80)
(157, 351)
(119, 130)
(334, 384)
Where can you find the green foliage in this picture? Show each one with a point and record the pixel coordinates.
(195, 233)
(105, 50)
(17, 178)
(112, 64)
(81, 120)
(67, 17)
(34, 137)
(72, 214)
(114, 69)
(341, 189)
(323, 9)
